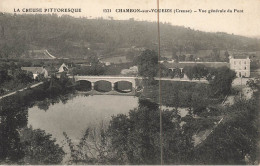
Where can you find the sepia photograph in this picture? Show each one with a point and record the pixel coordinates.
(129, 82)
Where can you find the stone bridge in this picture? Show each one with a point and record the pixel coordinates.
(112, 79)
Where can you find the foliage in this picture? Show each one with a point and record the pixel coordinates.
(196, 72)
(23, 77)
(252, 84)
(95, 68)
(13, 117)
(180, 94)
(147, 64)
(136, 140)
(220, 80)
(39, 148)
(80, 37)
(93, 147)
(226, 54)
(174, 55)
(3, 76)
(234, 138)
(40, 77)
(215, 54)
(64, 80)
(14, 112)
(13, 78)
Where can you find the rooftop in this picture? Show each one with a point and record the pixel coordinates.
(240, 57)
(34, 70)
(207, 64)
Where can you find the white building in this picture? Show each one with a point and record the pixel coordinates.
(241, 66)
(36, 71)
(63, 68)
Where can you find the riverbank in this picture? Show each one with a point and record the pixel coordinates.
(20, 90)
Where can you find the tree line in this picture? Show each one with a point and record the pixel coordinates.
(20, 144)
(135, 138)
(65, 36)
(220, 79)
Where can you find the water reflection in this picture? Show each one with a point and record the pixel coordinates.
(71, 113)
(78, 113)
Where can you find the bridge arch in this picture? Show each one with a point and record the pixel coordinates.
(123, 86)
(111, 84)
(83, 85)
(103, 86)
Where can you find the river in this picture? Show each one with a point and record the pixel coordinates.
(78, 114)
(81, 112)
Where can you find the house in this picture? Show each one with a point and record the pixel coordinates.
(173, 65)
(63, 68)
(181, 65)
(240, 65)
(36, 71)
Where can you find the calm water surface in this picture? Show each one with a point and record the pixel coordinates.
(78, 114)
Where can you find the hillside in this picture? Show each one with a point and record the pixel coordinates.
(71, 37)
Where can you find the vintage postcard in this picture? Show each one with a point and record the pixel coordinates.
(129, 82)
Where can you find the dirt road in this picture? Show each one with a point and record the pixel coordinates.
(9, 94)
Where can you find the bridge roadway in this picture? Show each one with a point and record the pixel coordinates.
(115, 79)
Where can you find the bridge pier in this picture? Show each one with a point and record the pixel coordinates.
(92, 85)
(112, 86)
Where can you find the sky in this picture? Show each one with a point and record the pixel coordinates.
(246, 23)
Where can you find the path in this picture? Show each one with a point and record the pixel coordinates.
(203, 135)
(9, 94)
(48, 54)
(181, 79)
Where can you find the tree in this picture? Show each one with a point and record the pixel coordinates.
(93, 148)
(136, 140)
(191, 58)
(13, 118)
(3, 76)
(64, 80)
(199, 71)
(23, 77)
(174, 55)
(220, 80)
(226, 56)
(252, 84)
(130, 55)
(188, 70)
(182, 57)
(216, 54)
(54, 86)
(147, 64)
(40, 77)
(165, 72)
(96, 67)
(232, 139)
(39, 148)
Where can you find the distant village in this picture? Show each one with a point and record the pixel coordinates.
(238, 63)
